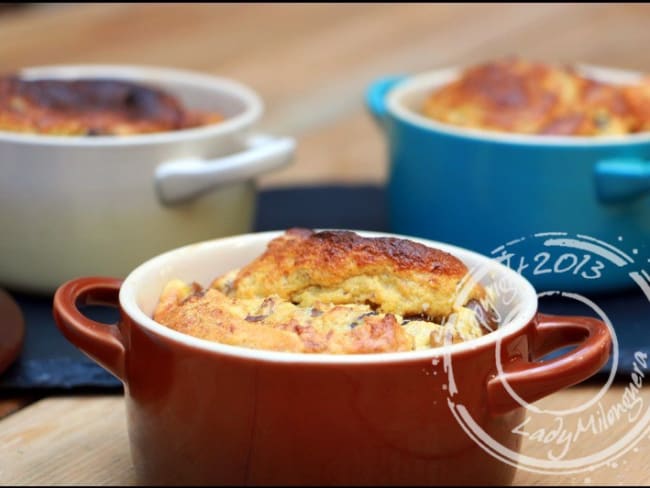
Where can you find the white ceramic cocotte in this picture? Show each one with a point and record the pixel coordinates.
(80, 205)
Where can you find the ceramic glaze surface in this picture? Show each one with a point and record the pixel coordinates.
(481, 189)
(78, 205)
(200, 412)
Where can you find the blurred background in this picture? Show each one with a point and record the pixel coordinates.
(311, 63)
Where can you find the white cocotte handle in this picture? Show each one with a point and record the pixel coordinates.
(183, 179)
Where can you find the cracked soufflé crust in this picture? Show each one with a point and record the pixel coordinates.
(334, 292)
(391, 275)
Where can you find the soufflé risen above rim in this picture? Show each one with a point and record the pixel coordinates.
(92, 107)
(334, 292)
(514, 95)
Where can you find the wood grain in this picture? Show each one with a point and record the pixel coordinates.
(633, 467)
(83, 440)
(66, 441)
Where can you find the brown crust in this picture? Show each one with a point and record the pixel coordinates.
(334, 249)
(212, 316)
(334, 292)
(91, 107)
(392, 275)
(514, 95)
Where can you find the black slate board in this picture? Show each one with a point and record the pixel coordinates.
(49, 362)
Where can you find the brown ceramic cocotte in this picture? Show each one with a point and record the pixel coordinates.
(205, 413)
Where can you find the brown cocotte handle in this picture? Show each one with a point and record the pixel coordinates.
(532, 380)
(101, 342)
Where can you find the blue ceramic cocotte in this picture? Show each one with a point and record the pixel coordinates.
(570, 213)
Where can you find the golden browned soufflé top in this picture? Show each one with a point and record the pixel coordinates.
(92, 107)
(520, 96)
(334, 292)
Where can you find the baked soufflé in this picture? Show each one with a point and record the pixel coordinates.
(92, 107)
(519, 96)
(334, 292)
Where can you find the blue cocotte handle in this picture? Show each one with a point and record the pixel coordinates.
(376, 95)
(622, 179)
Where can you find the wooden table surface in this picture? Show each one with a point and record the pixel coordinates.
(310, 63)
